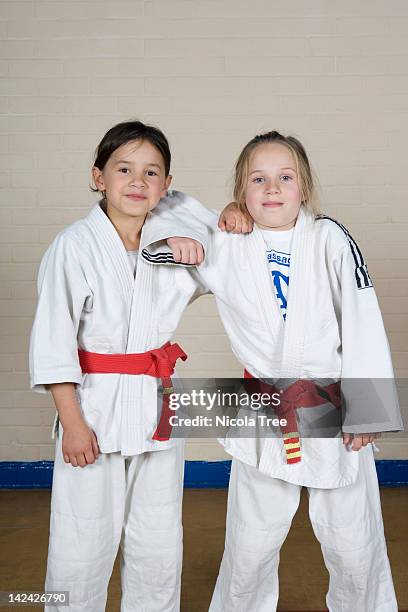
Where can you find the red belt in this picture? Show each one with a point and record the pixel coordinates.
(158, 363)
(301, 394)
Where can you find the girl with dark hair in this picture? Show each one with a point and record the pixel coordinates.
(100, 344)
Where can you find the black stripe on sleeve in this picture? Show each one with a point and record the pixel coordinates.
(162, 258)
(363, 279)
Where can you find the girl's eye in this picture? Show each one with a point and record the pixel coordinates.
(286, 178)
(258, 179)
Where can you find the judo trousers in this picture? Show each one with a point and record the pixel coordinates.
(129, 502)
(347, 521)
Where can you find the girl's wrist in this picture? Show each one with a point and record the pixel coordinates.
(71, 419)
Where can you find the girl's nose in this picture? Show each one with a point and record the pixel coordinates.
(272, 187)
(137, 181)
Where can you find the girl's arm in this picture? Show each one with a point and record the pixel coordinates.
(183, 222)
(63, 292)
(368, 386)
(188, 251)
(79, 443)
(233, 220)
(54, 364)
(358, 441)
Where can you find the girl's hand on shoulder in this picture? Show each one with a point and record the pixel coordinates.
(233, 220)
(357, 441)
(186, 250)
(79, 445)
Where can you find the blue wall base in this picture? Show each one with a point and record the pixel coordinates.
(198, 474)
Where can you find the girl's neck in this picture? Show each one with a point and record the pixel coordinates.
(284, 228)
(128, 228)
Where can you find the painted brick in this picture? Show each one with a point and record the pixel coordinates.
(211, 75)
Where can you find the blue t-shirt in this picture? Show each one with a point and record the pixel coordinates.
(278, 245)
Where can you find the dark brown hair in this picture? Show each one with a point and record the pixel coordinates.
(122, 133)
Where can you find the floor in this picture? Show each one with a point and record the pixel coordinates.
(24, 519)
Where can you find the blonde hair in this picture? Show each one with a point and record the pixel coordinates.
(304, 172)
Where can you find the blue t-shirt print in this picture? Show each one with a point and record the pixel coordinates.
(281, 284)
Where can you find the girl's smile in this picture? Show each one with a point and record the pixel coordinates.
(136, 197)
(269, 204)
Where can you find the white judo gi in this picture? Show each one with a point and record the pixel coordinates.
(333, 330)
(89, 299)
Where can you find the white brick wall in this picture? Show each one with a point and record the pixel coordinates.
(211, 73)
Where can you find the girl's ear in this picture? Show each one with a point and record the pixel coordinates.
(167, 183)
(98, 179)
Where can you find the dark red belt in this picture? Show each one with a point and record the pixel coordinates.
(301, 394)
(158, 363)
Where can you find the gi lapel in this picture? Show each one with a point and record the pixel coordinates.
(302, 251)
(141, 337)
(137, 395)
(140, 392)
(109, 240)
(259, 271)
(288, 336)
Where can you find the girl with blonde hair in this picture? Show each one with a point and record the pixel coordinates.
(299, 307)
